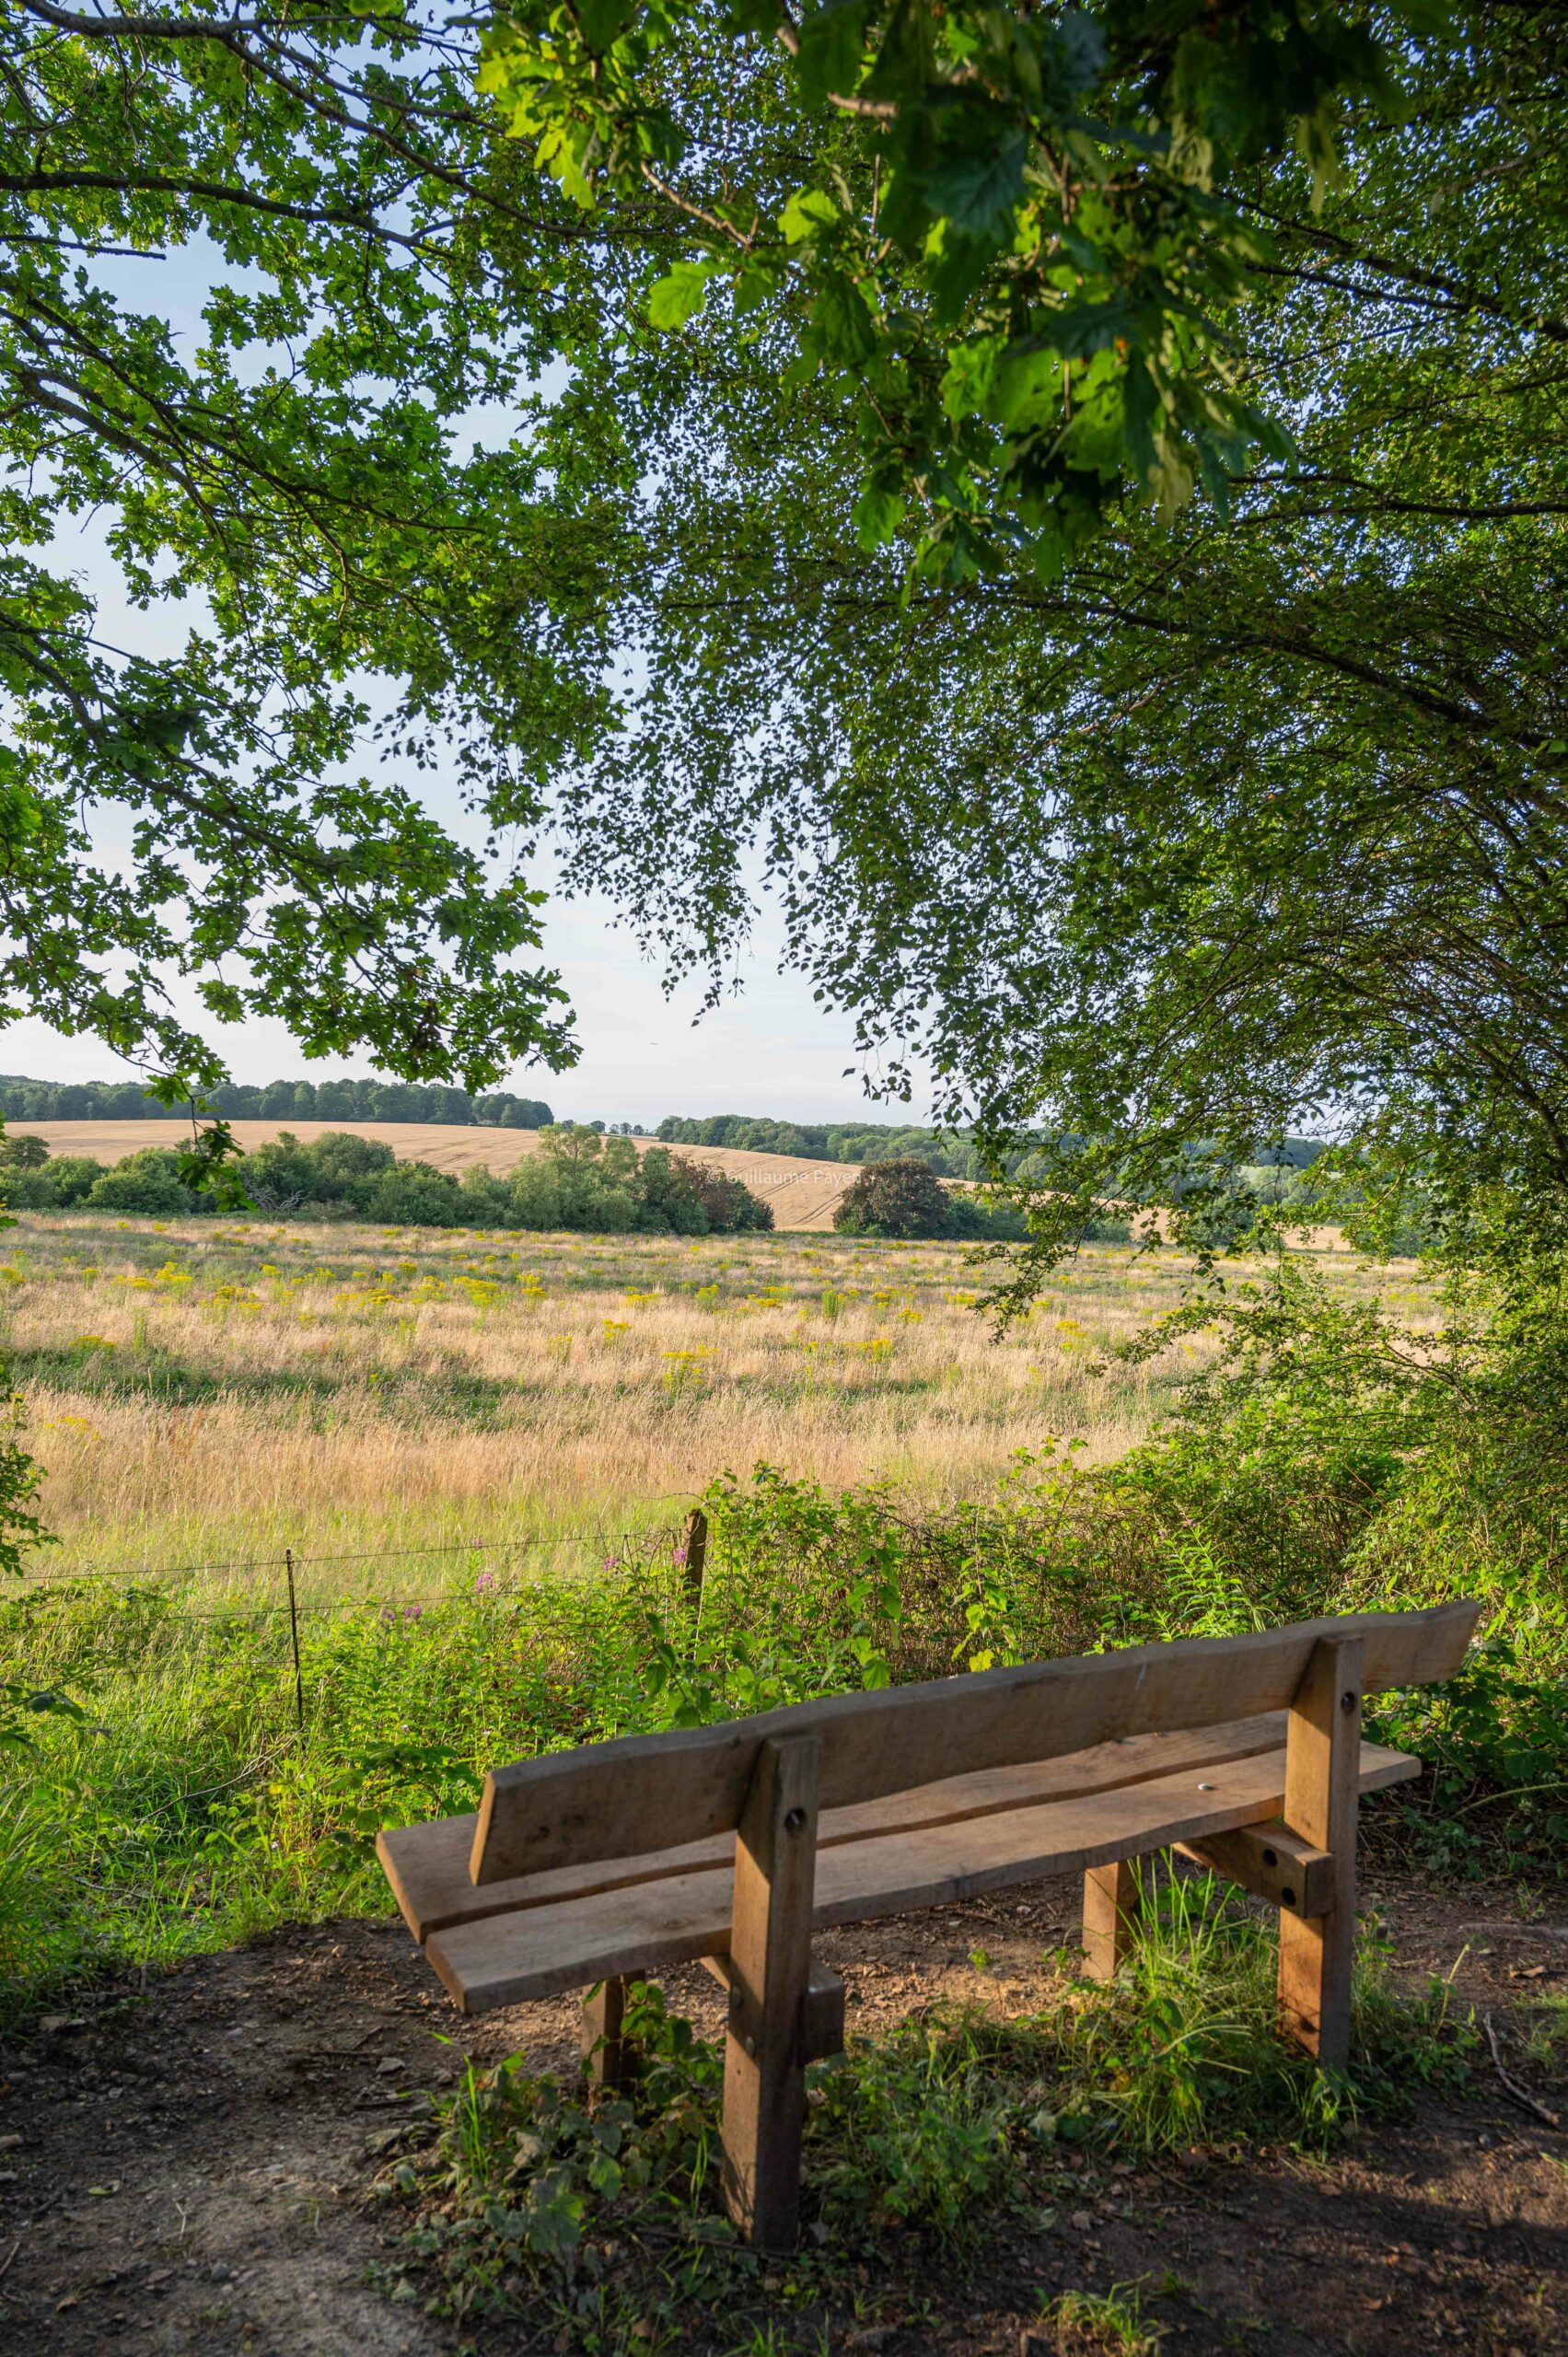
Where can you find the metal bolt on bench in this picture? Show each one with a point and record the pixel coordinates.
(733, 1844)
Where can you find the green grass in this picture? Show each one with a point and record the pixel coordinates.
(157, 1793)
(923, 2149)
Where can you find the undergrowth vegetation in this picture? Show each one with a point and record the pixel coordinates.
(963, 2125)
(168, 1784)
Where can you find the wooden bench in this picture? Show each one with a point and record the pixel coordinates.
(734, 1843)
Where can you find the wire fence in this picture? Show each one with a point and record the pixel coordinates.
(685, 1555)
(45, 1575)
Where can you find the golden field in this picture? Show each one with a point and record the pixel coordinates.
(803, 1194)
(213, 1391)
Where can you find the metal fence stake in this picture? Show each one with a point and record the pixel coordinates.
(696, 1555)
(293, 1633)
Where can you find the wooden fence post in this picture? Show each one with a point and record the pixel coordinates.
(1322, 1797)
(770, 1957)
(695, 1555)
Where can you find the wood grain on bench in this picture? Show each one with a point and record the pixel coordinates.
(644, 1792)
(427, 1865)
(675, 1918)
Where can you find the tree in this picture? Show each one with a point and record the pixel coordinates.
(729, 1205)
(999, 272)
(291, 472)
(901, 1197)
(1251, 823)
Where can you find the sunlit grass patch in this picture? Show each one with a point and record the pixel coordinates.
(213, 1391)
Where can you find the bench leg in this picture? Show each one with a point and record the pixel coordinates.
(770, 1957)
(1110, 1918)
(604, 2050)
(1322, 1795)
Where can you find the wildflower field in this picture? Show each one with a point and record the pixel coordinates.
(211, 1392)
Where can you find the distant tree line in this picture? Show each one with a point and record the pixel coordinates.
(948, 1154)
(278, 1100)
(576, 1178)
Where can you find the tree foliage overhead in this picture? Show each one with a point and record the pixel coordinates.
(1011, 257)
(852, 371)
(1253, 823)
(992, 260)
(294, 472)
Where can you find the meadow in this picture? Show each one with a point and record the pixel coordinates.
(475, 1454)
(213, 1392)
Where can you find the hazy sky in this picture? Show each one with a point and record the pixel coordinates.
(770, 1050)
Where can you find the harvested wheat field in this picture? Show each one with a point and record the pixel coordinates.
(803, 1194)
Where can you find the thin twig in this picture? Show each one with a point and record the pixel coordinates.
(5, 2266)
(1557, 1931)
(1521, 2096)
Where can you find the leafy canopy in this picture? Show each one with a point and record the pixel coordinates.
(992, 259)
(854, 370)
(1015, 251)
(1253, 824)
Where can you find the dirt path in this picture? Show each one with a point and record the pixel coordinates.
(182, 2166)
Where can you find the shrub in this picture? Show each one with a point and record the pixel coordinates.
(415, 1194)
(731, 1207)
(668, 1197)
(901, 1197)
(337, 1170)
(148, 1183)
(54, 1187)
(576, 1178)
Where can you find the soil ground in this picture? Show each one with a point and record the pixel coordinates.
(183, 2164)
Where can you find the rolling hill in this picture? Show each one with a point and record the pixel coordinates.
(803, 1194)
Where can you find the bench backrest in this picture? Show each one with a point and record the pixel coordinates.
(644, 1793)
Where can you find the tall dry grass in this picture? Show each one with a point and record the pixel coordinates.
(213, 1392)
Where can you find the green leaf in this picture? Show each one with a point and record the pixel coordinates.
(603, 21)
(877, 514)
(843, 320)
(832, 39)
(979, 195)
(808, 210)
(683, 292)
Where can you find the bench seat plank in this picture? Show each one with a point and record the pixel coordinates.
(428, 1866)
(676, 1918)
